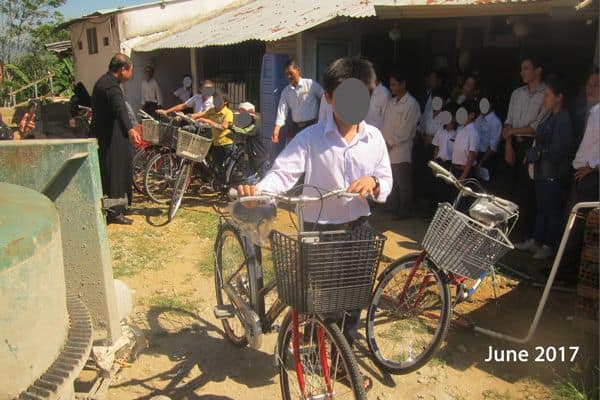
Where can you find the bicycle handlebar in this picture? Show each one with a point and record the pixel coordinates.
(444, 174)
(302, 199)
(192, 121)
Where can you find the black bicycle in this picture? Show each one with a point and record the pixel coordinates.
(316, 273)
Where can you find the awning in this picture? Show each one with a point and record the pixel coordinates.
(266, 20)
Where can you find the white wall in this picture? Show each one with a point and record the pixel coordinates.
(89, 67)
(169, 67)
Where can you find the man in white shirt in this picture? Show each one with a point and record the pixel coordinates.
(199, 103)
(301, 97)
(151, 94)
(379, 99)
(334, 154)
(585, 186)
(184, 93)
(399, 129)
(525, 112)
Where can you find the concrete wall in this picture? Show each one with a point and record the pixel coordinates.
(89, 67)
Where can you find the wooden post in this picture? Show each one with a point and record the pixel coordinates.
(194, 69)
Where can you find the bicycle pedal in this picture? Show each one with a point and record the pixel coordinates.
(224, 311)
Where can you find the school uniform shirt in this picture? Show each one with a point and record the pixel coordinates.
(379, 99)
(490, 131)
(302, 100)
(324, 108)
(400, 126)
(467, 140)
(444, 141)
(589, 149)
(151, 92)
(199, 104)
(220, 137)
(526, 108)
(328, 162)
(432, 126)
(183, 94)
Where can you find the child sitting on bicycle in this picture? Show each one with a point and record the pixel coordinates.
(342, 151)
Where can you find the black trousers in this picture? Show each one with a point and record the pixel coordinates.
(582, 191)
(523, 188)
(352, 321)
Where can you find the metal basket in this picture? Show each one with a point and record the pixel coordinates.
(321, 272)
(166, 133)
(457, 243)
(150, 131)
(191, 146)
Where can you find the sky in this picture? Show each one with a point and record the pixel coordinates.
(77, 8)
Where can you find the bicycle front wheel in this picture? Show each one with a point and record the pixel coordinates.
(409, 314)
(160, 177)
(324, 367)
(184, 177)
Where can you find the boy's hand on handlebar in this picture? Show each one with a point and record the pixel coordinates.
(161, 112)
(247, 190)
(364, 186)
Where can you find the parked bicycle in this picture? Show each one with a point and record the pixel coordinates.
(411, 308)
(316, 273)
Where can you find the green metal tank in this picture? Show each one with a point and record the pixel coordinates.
(34, 321)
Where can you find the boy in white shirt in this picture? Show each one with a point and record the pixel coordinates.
(489, 126)
(443, 141)
(466, 144)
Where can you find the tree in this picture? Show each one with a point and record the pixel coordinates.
(18, 22)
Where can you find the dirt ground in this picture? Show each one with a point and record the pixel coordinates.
(170, 269)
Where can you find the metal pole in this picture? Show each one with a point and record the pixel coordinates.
(548, 287)
(51, 83)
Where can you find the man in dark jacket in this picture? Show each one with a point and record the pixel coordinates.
(115, 132)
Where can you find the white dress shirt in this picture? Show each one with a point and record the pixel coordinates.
(400, 127)
(490, 131)
(444, 141)
(183, 94)
(589, 149)
(328, 162)
(301, 99)
(324, 109)
(199, 104)
(151, 92)
(381, 95)
(526, 108)
(467, 140)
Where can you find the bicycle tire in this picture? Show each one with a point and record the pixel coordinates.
(400, 364)
(228, 233)
(159, 177)
(337, 340)
(138, 166)
(182, 182)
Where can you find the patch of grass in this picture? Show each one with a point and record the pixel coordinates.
(173, 302)
(571, 388)
(203, 223)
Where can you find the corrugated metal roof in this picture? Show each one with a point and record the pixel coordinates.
(266, 20)
(59, 47)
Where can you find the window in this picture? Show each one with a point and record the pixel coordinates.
(105, 41)
(92, 41)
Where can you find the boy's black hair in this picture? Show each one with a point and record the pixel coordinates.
(451, 107)
(472, 107)
(535, 61)
(398, 75)
(347, 67)
(291, 63)
(119, 61)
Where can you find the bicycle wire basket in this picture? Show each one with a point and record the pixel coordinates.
(150, 131)
(459, 244)
(192, 146)
(322, 272)
(166, 133)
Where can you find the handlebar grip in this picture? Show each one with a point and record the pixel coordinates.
(450, 179)
(438, 169)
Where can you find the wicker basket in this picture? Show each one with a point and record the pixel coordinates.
(191, 146)
(321, 272)
(150, 131)
(457, 243)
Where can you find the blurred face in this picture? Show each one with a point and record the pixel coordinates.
(528, 72)
(292, 75)
(551, 101)
(433, 81)
(468, 88)
(592, 91)
(397, 88)
(149, 73)
(126, 73)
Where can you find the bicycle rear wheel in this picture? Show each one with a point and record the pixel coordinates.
(139, 163)
(184, 177)
(409, 314)
(160, 177)
(324, 367)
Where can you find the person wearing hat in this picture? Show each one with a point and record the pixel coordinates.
(151, 94)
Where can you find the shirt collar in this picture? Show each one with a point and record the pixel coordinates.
(403, 99)
(300, 83)
(332, 130)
